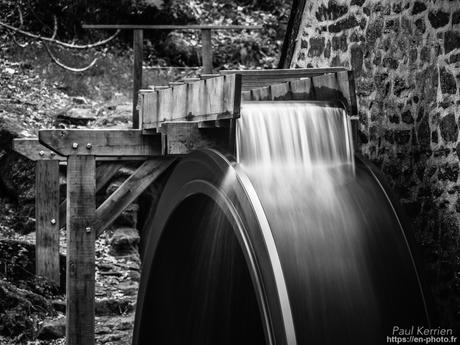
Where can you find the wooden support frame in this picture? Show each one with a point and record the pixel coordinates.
(175, 120)
(100, 142)
(80, 285)
(144, 176)
(47, 220)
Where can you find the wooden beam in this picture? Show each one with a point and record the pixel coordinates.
(104, 174)
(47, 219)
(32, 149)
(101, 142)
(170, 27)
(81, 207)
(206, 50)
(138, 47)
(203, 100)
(184, 137)
(129, 191)
(252, 79)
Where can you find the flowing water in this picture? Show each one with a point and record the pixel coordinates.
(346, 272)
(349, 274)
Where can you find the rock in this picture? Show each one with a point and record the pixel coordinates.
(392, 25)
(114, 306)
(357, 2)
(317, 45)
(52, 329)
(448, 84)
(59, 305)
(438, 19)
(340, 42)
(374, 31)
(423, 134)
(125, 241)
(449, 128)
(399, 86)
(448, 171)
(407, 117)
(420, 26)
(327, 50)
(76, 116)
(402, 137)
(79, 100)
(451, 41)
(418, 7)
(356, 59)
(128, 218)
(331, 12)
(456, 17)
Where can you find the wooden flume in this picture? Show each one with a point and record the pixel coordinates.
(186, 116)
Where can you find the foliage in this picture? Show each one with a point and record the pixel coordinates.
(232, 49)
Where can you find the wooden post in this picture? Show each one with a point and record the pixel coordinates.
(206, 50)
(47, 219)
(138, 47)
(81, 208)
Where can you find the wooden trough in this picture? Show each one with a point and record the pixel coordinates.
(186, 116)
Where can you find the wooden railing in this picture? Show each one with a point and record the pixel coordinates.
(138, 47)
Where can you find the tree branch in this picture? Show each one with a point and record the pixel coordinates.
(53, 40)
(68, 68)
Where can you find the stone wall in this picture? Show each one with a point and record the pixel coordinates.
(406, 59)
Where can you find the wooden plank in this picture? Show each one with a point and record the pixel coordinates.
(280, 92)
(179, 101)
(232, 94)
(138, 47)
(129, 191)
(325, 87)
(204, 100)
(246, 96)
(47, 219)
(32, 149)
(252, 79)
(148, 106)
(104, 174)
(165, 104)
(301, 89)
(81, 207)
(171, 27)
(101, 142)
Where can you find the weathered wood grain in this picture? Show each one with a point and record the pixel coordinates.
(138, 48)
(81, 207)
(32, 149)
(129, 191)
(206, 50)
(100, 142)
(208, 99)
(252, 79)
(104, 174)
(47, 219)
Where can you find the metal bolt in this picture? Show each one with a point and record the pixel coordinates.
(75, 146)
(41, 153)
(53, 221)
(89, 146)
(88, 229)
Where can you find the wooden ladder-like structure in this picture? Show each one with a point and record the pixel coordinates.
(175, 120)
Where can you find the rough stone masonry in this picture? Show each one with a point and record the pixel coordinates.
(406, 59)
